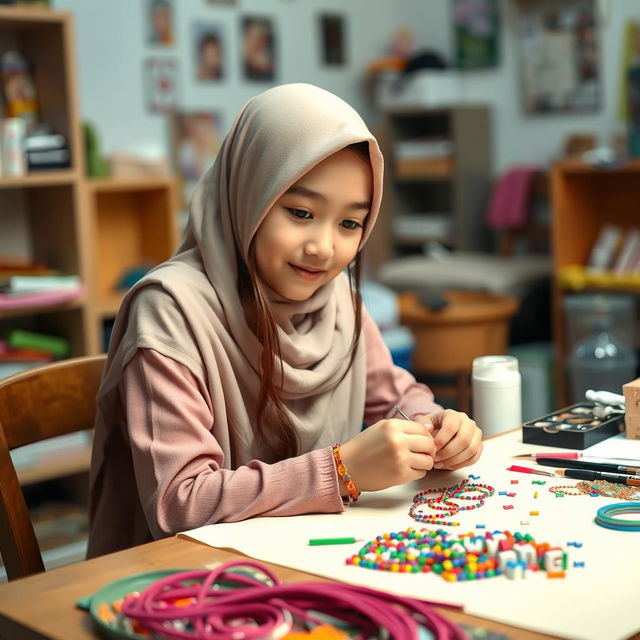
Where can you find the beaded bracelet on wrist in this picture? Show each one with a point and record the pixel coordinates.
(343, 472)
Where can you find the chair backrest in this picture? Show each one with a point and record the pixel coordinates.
(47, 401)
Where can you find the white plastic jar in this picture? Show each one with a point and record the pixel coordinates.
(497, 395)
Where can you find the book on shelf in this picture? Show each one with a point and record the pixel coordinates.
(15, 265)
(417, 148)
(605, 250)
(26, 284)
(18, 360)
(628, 259)
(38, 453)
(423, 225)
(39, 298)
(56, 346)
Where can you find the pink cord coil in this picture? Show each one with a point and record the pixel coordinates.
(224, 604)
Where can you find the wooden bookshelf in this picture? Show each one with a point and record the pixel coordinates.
(97, 229)
(584, 198)
(453, 187)
(56, 466)
(49, 202)
(132, 223)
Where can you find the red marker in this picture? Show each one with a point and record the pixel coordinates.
(515, 467)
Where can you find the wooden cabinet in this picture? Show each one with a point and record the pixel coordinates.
(437, 179)
(584, 199)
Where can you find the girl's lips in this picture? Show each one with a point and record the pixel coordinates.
(306, 273)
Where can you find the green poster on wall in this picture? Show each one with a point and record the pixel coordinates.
(476, 33)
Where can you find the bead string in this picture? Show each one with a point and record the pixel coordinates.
(443, 499)
(599, 487)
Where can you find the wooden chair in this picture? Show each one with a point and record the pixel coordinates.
(47, 401)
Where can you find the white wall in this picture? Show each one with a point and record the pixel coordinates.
(111, 50)
(537, 139)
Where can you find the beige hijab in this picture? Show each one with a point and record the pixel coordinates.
(189, 309)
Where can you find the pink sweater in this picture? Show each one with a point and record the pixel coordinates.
(176, 463)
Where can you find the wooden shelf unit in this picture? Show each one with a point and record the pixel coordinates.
(457, 185)
(57, 466)
(584, 199)
(132, 223)
(49, 202)
(94, 228)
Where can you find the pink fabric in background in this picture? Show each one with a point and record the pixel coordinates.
(509, 202)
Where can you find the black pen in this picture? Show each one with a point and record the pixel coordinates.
(586, 464)
(584, 474)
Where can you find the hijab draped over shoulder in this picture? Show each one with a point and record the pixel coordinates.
(189, 307)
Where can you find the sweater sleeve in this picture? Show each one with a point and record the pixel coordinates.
(178, 461)
(389, 385)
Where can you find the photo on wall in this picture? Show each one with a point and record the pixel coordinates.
(161, 84)
(159, 22)
(559, 56)
(258, 48)
(196, 139)
(476, 33)
(208, 51)
(332, 39)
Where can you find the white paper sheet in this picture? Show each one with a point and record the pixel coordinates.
(597, 602)
(616, 447)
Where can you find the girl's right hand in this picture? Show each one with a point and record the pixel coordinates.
(388, 453)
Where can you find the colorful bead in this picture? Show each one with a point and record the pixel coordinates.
(444, 501)
(460, 558)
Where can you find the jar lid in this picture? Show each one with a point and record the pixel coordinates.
(492, 366)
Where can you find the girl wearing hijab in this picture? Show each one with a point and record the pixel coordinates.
(241, 370)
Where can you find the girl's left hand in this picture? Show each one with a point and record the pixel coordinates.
(457, 438)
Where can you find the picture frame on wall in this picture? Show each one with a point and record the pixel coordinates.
(159, 23)
(476, 33)
(258, 48)
(196, 137)
(208, 51)
(332, 39)
(559, 56)
(161, 84)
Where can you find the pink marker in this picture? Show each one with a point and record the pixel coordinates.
(562, 455)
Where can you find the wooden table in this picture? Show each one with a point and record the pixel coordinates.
(43, 606)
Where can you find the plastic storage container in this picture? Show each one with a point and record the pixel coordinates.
(585, 312)
(602, 362)
(497, 395)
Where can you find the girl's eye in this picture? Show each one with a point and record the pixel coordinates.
(299, 213)
(351, 224)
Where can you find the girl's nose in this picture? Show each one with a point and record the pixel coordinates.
(320, 244)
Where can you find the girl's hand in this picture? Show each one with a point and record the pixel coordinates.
(388, 453)
(457, 438)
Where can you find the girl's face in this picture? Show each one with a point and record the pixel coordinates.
(313, 231)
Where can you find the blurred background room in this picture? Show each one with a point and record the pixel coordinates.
(510, 221)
